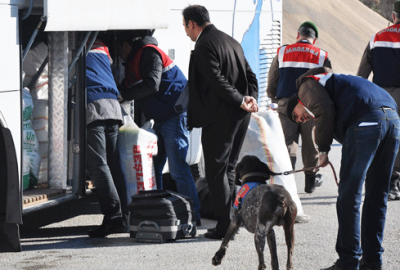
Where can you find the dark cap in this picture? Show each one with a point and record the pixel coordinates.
(396, 6)
(312, 26)
(291, 103)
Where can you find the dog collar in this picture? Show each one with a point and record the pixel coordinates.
(243, 191)
(247, 175)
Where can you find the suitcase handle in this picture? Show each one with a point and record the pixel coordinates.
(152, 194)
(148, 225)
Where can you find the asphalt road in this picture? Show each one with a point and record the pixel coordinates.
(63, 243)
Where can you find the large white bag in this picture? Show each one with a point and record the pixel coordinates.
(137, 147)
(30, 147)
(265, 139)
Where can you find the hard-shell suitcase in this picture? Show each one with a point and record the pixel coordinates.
(157, 216)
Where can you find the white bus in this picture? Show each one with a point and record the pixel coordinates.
(65, 26)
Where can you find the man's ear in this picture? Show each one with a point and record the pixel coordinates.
(314, 41)
(192, 24)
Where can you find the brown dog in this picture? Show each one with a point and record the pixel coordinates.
(263, 207)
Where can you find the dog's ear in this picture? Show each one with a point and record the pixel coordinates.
(237, 175)
(238, 169)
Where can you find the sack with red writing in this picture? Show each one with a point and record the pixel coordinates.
(136, 148)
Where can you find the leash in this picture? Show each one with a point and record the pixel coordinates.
(266, 175)
(311, 169)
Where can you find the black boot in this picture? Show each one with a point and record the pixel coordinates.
(117, 225)
(312, 182)
(394, 193)
(219, 231)
(365, 266)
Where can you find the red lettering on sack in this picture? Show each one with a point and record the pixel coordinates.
(139, 177)
(136, 149)
(140, 186)
(137, 158)
(138, 167)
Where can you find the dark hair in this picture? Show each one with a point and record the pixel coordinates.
(396, 14)
(291, 103)
(307, 32)
(196, 13)
(130, 35)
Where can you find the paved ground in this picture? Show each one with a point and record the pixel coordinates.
(64, 244)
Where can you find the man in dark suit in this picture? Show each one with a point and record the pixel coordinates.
(223, 92)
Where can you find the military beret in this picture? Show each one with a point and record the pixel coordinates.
(396, 6)
(313, 26)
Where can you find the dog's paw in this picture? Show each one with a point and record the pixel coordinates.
(218, 257)
(216, 261)
(262, 266)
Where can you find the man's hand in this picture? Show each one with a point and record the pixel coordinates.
(249, 104)
(323, 159)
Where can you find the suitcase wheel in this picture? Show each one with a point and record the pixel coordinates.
(193, 232)
(189, 229)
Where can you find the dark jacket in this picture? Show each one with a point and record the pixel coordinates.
(219, 77)
(337, 101)
(152, 80)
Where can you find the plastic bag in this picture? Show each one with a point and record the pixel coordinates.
(136, 148)
(30, 146)
(265, 139)
(39, 91)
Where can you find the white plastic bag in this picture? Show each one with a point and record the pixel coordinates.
(137, 147)
(265, 139)
(39, 91)
(30, 146)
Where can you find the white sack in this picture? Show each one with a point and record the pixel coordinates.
(265, 139)
(136, 148)
(30, 146)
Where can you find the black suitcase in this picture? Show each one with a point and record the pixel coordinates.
(157, 216)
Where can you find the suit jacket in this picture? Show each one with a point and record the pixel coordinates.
(219, 77)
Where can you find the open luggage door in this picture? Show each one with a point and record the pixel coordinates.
(10, 194)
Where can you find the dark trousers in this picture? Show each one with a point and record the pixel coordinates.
(222, 142)
(103, 164)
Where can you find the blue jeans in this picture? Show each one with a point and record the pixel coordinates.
(173, 142)
(104, 167)
(368, 154)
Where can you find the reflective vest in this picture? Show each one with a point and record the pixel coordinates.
(100, 82)
(295, 60)
(159, 106)
(385, 56)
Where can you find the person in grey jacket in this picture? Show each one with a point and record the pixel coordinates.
(103, 119)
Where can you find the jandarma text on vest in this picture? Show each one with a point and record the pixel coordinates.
(301, 49)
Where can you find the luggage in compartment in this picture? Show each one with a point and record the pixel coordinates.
(157, 216)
